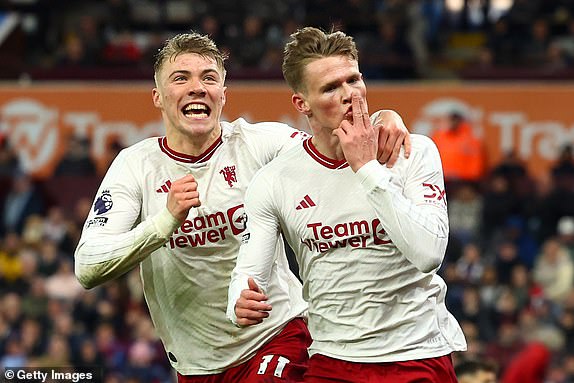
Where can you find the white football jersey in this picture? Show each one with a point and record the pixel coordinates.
(368, 246)
(186, 268)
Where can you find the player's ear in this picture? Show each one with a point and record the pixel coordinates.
(300, 104)
(156, 97)
(224, 96)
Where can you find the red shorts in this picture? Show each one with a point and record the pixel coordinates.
(284, 359)
(323, 369)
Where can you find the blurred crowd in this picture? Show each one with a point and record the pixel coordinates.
(47, 319)
(509, 268)
(398, 39)
(509, 265)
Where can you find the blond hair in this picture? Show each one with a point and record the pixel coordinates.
(189, 43)
(309, 44)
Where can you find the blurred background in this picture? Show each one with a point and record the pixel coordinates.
(399, 39)
(489, 81)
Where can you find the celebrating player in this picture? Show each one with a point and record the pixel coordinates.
(368, 239)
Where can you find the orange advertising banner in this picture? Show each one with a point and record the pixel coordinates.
(534, 120)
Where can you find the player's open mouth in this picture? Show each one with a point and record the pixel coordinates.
(196, 110)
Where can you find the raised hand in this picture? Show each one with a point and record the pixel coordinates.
(358, 139)
(250, 307)
(182, 196)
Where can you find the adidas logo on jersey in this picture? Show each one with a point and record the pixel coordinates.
(306, 203)
(165, 187)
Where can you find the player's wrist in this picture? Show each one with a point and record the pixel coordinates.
(165, 223)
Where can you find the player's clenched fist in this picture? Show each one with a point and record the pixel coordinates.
(182, 196)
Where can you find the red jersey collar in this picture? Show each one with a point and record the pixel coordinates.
(321, 159)
(181, 157)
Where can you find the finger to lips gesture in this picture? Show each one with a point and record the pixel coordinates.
(359, 138)
(251, 307)
(182, 196)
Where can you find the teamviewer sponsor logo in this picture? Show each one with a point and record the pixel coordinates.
(347, 234)
(209, 228)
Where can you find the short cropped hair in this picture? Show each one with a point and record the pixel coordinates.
(189, 43)
(309, 44)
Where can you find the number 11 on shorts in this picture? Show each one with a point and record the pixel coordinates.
(281, 363)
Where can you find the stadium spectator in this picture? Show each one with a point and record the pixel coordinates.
(461, 152)
(505, 345)
(385, 329)
(565, 234)
(490, 288)
(470, 266)
(9, 162)
(563, 169)
(506, 259)
(532, 362)
(22, 200)
(521, 286)
(513, 169)
(498, 205)
(500, 44)
(471, 309)
(464, 214)
(476, 371)
(535, 48)
(11, 268)
(14, 354)
(76, 160)
(86, 354)
(554, 270)
(63, 284)
(139, 219)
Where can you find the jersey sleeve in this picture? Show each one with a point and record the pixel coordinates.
(256, 255)
(113, 240)
(414, 216)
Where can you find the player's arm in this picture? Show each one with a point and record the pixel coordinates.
(250, 277)
(113, 241)
(415, 217)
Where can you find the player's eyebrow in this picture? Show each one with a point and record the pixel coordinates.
(188, 73)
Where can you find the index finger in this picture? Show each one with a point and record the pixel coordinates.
(253, 295)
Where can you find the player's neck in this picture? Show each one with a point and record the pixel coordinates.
(328, 146)
(192, 144)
